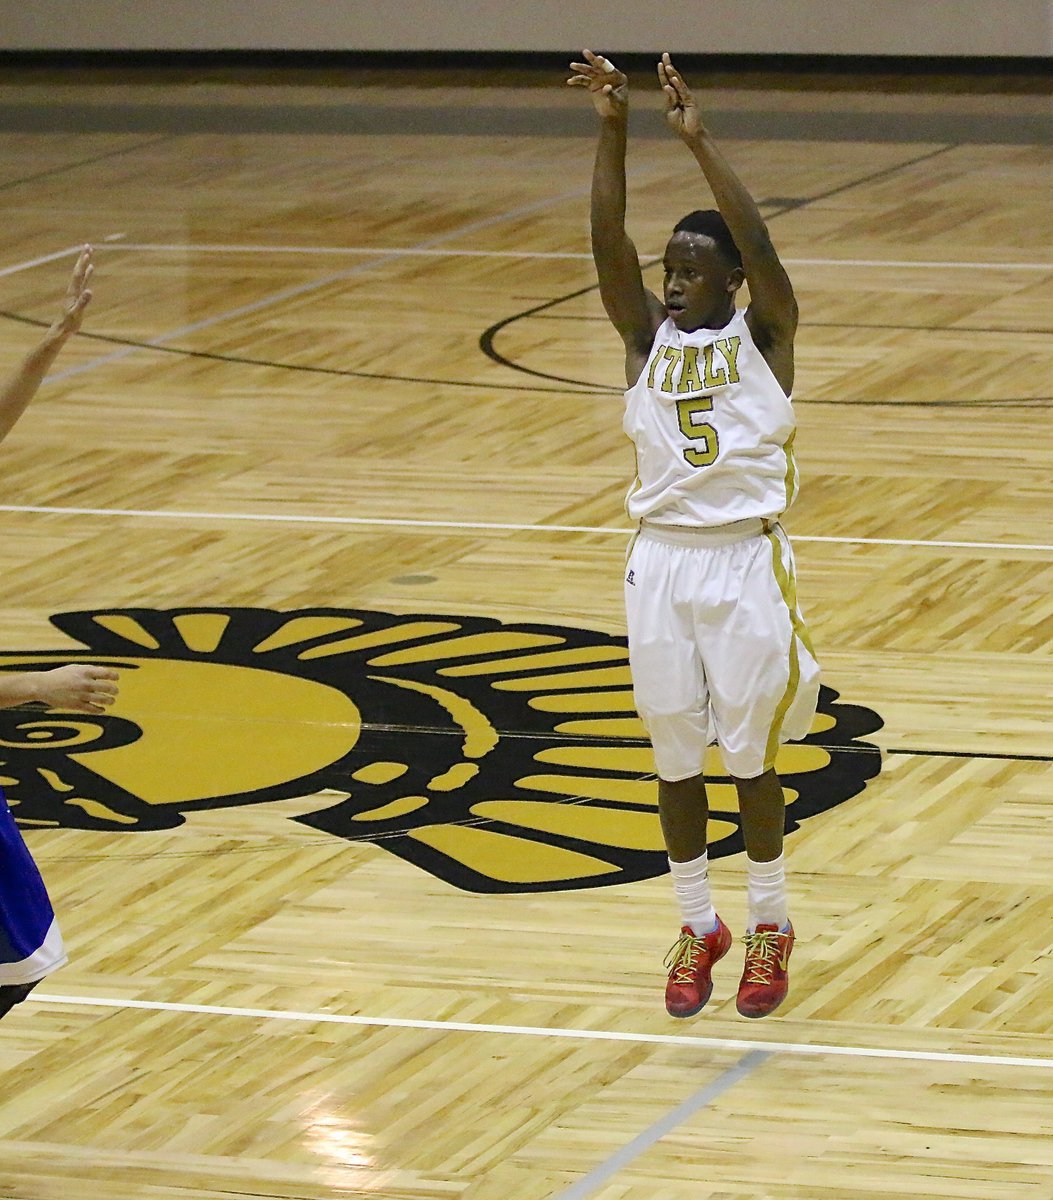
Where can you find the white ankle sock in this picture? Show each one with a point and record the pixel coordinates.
(766, 892)
(691, 884)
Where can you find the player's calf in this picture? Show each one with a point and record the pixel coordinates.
(12, 994)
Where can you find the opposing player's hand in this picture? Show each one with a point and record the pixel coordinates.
(78, 687)
(78, 294)
(681, 111)
(608, 87)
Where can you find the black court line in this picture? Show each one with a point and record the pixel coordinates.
(346, 373)
(83, 162)
(970, 754)
(785, 206)
(576, 388)
(643, 742)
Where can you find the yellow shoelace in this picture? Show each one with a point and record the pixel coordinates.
(761, 953)
(681, 958)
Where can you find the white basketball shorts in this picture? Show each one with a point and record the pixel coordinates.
(718, 648)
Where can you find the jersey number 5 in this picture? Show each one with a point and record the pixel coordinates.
(698, 431)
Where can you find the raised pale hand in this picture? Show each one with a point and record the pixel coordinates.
(77, 296)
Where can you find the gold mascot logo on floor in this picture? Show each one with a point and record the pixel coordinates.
(498, 757)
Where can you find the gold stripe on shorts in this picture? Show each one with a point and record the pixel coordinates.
(799, 632)
(790, 482)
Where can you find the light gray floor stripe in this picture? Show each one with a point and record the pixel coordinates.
(599, 1175)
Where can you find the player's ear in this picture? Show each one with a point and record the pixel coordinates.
(736, 279)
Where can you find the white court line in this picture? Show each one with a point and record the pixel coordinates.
(511, 527)
(44, 258)
(387, 251)
(587, 1035)
(929, 266)
(948, 545)
(394, 251)
(304, 289)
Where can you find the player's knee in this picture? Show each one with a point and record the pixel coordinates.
(679, 742)
(667, 705)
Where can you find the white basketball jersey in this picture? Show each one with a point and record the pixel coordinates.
(713, 430)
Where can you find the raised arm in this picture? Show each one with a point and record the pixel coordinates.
(772, 312)
(634, 311)
(78, 687)
(17, 392)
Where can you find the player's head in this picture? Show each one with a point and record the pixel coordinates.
(703, 271)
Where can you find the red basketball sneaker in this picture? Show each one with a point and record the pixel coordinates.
(690, 962)
(766, 980)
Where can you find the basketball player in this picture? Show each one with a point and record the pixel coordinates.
(30, 941)
(717, 647)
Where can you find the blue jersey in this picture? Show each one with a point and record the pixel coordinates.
(30, 941)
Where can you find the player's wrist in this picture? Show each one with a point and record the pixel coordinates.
(51, 343)
(697, 139)
(25, 688)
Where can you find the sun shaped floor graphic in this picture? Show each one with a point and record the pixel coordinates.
(498, 757)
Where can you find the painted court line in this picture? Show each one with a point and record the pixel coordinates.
(429, 250)
(380, 257)
(69, 252)
(387, 251)
(920, 265)
(394, 251)
(468, 526)
(949, 545)
(599, 1175)
(593, 1035)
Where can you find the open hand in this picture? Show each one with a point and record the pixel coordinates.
(681, 110)
(77, 296)
(608, 87)
(78, 687)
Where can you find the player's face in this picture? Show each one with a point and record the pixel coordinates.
(699, 285)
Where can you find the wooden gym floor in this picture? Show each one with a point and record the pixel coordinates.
(361, 880)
